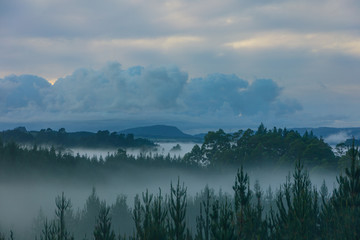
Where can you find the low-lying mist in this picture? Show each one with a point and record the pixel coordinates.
(163, 148)
(21, 200)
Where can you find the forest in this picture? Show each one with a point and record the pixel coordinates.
(100, 139)
(296, 210)
(261, 148)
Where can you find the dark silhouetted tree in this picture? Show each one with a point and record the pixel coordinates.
(103, 230)
(177, 210)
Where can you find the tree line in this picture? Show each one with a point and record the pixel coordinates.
(263, 148)
(296, 211)
(100, 139)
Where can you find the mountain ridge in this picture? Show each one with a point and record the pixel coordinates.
(159, 132)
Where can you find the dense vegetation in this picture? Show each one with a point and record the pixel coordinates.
(101, 139)
(296, 211)
(263, 148)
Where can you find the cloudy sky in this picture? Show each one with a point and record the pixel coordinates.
(197, 64)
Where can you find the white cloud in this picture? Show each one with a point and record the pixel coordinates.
(297, 43)
(337, 138)
(164, 43)
(314, 42)
(112, 92)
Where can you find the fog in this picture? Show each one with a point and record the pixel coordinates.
(337, 138)
(163, 148)
(21, 201)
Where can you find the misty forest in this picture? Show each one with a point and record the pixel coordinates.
(179, 120)
(241, 209)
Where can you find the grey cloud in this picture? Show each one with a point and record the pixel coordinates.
(113, 89)
(259, 97)
(231, 95)
(287, 106)
(148, 19)
(154, 91)
(210, 94)
(84, 19)
(23, 91)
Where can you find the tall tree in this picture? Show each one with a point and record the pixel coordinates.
(343, 207)
(103, 230)
(222, 218)
(62, 205)
(177, 210)
(298, 209)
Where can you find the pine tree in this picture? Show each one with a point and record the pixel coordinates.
(242, 201)
(150, 217)
(103, 230)
(62, 204)
(158, 215)
(177, 210)
(298, 209)
(203, 221)
(137, 216)
(343, 207)
(222, 218)
(249, 222)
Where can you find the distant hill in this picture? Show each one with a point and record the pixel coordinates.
(160, 132)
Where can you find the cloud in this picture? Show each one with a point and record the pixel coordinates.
(161, 91)
(164, 43)
(337, 138)
(116, 90)
(313, 42)
(209, 94)
(21, 92)
(219, 93)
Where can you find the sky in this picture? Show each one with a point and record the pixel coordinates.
(196, 64)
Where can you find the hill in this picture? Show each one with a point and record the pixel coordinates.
(160, 132)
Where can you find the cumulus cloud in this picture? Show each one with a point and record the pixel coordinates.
(228, 93)
(21, 92)
(215, 91)
(155, 90)
(116, 90)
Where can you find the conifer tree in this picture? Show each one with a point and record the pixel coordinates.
(150, 217)
(49, 231)
(242, 201)
(222, 218)
(343, 207)
(103, 230)
(249, 222)
(298, 209)
(159, 214)
(62, 204)
(203, 221)
(177, 210)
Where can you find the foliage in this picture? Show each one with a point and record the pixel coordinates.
(296, 212)
(343, 207)
(262, 148)
(150, 217)
(298, 209)
(103, 230)
(56, 229)
(62, 138)
(177, 211)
